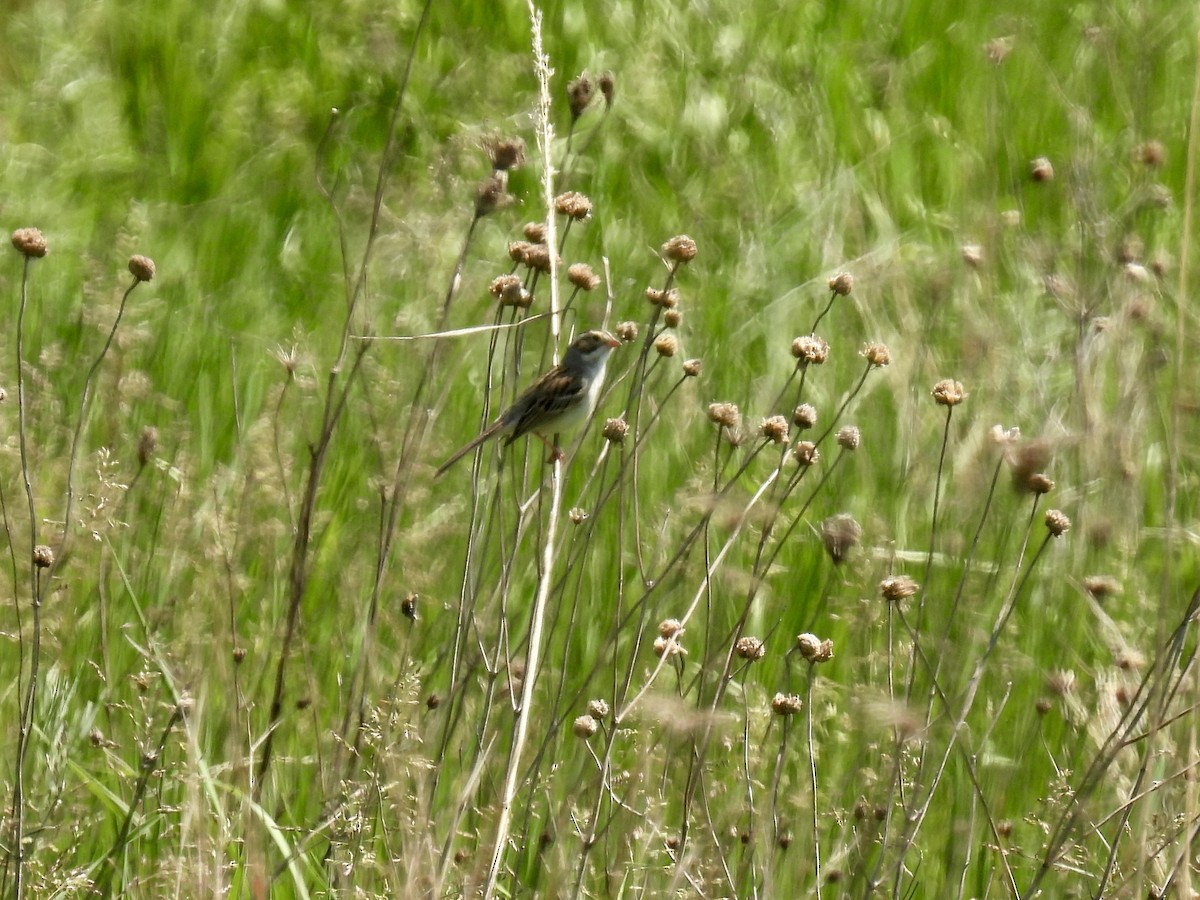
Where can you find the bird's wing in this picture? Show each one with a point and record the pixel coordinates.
(545, 400)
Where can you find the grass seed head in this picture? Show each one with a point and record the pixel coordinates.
(584, 727)
(724, 414)
(804, 416)
(680, 249)
(809, 348)
(750, 648)
(582, 276)
(598, 709)
(666, 345)
(1057, 522)
(573, 205)
(672, 318)
(141, 268)
(849, 437)
(806, 453)
(692, 368)
(535, 232)
(774, 429)
(30, 243)
(877, 355)
(948, 392)
(842, 284)
(615, 430)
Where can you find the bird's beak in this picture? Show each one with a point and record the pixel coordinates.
(611, 341)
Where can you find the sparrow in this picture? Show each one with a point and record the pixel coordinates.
(558, 401)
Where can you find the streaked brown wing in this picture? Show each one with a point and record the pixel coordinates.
(544, 401)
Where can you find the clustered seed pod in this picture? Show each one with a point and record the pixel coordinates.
(535, 232)
(809, 348)
(724, 414)
(504, 153)
(750, 648)
(898, 587)
(141, 268)
(510, 291)
(668, 299)
(1057, 522)
(582, 276)
(615, 430)
(43, 556)
(672, 318)
(668, 646)
(841, 534)
(813, 649)
(691, 368)
(537, 257)
(842, 283)
(627, 331)
(30, 243)
(804, 416)
(786, 704)
(680, 249)
(573, 205)
(877, 355)
(666, 344)
(849, 437)
(806, 453)
(1039, 483)
(670, 627)
(948, 392)
(584, 727)
(598, 709)
(774, 429)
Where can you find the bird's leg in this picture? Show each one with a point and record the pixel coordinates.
(556, 454)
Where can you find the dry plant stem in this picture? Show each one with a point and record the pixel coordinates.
(828, 306)
(933, 524)
(30, 699)
(812, 769)
(283, 479)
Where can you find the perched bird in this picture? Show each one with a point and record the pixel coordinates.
(561, 399)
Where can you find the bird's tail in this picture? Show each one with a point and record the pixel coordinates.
(490, 431)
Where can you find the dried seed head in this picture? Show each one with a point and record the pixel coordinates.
(504, 153)
(1151, 154)
(691, 368)
(627, 331)
(1005, 437)
(842, 283)
(666, 344)
(658, 297)
(433, 701)
(1128, 659)
(492, 194)
(582, 276)
(898, 587)
(998, 49)
(806, 453)
(724, 414)
(670, 627)
(786, 704)
(668, 646)
(408, 607)
(1011, 218)
(672, 318)
(1028, 460)
(141, 268)
(598, 709)
(1040, 169)
(535, 232)
(774, 429)
(147, 444)
(615, 430)
(584, 727)
(573, 205)
(239, 654)
(809, 348)
(29, 243)
(813, 648)
(849, 437)
(1137, 273)
(750, 648)
(1043, 705)
(579, 94)
(877, 355)
(1061, 682)
(510, 291)
(841, 534)
(43, 556)
(804, 415)
(680, 249)
(1130, 249)
(517, 250)
(948, 392)
(1101, 586)
(608, 87)
(972, 255)
(578, 515)
(1057, 522)
(537, 256)
(1039, 483)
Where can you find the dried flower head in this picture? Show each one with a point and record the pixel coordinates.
(577, 514)
(1027, 461)
(809, 348)
(672, 318)
(504, 153)
(813, 648)
(1011, 218)
(615, 430)
(948, 392)
(147, 444)
(877, 355)
(804, 416)
(668, 646)
(724, 414)
(43, 556)
(898, 587)
(1043, 705)
(627, 331)
(141, 268)
(691, 368)
(608, 87)
(668, 299)
(849, 437)
(239, 655)
(1004, 437)
(750, 648)
(517, 250)
(29, 243)
(841, 534)
(537, 256)
(997, 49)
(510, 291)
(535, 232)
(1039, 483)
(573, 205)
(670, 627)
(584, 727)
(774, 429)
(492, 194)
(598, 709)
(579, 94)
(786, 704)
(972, 255)
(1040, 169)
(408, 606)
(806, 453)
(680, 249)
(1101, 586)
(582, 276)
(1057, 522)
(666, 345)
(1061, 682)
(842, 283)
(1151, 154)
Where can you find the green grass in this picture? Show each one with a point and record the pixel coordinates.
(790, 144)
